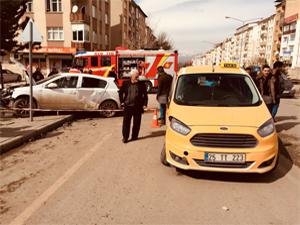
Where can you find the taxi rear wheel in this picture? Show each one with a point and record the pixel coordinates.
(163, 157)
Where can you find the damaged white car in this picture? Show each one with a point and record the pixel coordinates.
(70, 91)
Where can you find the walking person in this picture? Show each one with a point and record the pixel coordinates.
(164, 87)
(275, 86)
(263, 86)
(134, 99)
(37, 75)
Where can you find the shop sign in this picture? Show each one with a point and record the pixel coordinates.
(291, 19)
(54, 50)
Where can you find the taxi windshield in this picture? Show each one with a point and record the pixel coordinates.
(225, 90)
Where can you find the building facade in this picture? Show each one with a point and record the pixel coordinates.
(278, 28)
(67, 27)
(128, 25)
(290, 42)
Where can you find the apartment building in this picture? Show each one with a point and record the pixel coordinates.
(290, 42)
(67, 27)
(265, 42)
(244, 43)
(128, 25)
(278, 28)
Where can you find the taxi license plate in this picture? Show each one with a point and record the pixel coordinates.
(225, 157)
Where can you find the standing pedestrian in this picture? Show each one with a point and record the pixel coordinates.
(134, 99)
(275, 87)
(37, 75)
(263, 86)
(164, 87)
(112, 73)
(53, 72)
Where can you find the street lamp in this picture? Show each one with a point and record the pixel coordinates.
(243, 23)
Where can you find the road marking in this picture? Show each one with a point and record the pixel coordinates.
(37, 203)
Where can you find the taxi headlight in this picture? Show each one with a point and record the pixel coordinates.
(266, 129)
(180, 127)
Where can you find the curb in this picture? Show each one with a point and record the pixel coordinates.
(17, 141)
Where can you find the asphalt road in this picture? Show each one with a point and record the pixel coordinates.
(84, 174)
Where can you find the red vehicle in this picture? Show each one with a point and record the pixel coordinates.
(123, 61)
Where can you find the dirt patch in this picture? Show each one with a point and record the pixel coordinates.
(292, 145)
(3, 207)
(14, 185)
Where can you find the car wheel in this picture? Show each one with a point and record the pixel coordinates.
(163, 157)
(108, 105)
(149, 86)
(22, 103)
(19, 78)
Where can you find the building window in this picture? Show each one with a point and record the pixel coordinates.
(80, 33)
(286, 28)
(293, 26)
(94, 37)
(29, 6)
(94, 11)
(106, 39)
(292, 37)
(106, 18)
(54, 6)
(55, 34)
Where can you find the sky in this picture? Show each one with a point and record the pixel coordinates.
(192, 24)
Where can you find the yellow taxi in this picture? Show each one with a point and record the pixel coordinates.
(217, 121)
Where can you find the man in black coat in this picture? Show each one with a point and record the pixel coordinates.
(164, 87)
(134, 99)
(37, 75)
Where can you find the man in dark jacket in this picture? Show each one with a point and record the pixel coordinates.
(53, 72)
(263, 86)
(37, 75)
(134, 99)
(164, 87)
(275, 86)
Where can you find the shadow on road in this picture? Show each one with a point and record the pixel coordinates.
(282, 118)
(154, 134)
(284, 166)
(286, 126)
(13, 132)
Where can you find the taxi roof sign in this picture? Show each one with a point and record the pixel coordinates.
(229, 65)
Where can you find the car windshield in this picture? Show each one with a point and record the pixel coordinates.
(47, 78)
(228, 90)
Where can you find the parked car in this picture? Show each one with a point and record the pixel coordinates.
(9, 76)
(288, 89)
(70, 92)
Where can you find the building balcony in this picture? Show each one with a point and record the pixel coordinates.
(79, 18)
(81, 46)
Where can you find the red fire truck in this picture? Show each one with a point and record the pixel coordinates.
(123, 61)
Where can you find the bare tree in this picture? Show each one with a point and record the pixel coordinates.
(163, 42)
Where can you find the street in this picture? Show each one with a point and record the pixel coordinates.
(82, 173)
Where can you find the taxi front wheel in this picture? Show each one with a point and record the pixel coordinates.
(163, 157)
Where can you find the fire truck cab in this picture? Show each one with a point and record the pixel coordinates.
(121, 62)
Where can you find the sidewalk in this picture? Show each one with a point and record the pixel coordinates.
(16, 131)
